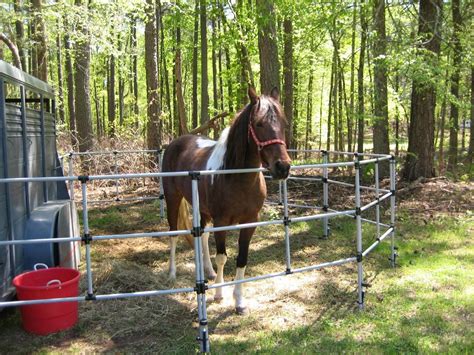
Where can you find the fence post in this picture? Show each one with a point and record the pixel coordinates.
(280, 192)
(394, 255)
(286, 222)
(377, 196)
(325, 194)
(117, 197)
(162, 194)
(71, 173)
(360, 276)
(86, 238)
(203, 335)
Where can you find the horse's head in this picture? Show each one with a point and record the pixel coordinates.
(267, 130)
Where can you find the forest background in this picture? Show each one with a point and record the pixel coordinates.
(379, 76)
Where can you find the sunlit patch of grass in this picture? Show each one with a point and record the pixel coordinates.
(424, 305)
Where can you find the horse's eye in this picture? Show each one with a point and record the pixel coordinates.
(259, 124)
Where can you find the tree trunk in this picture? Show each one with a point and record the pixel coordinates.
(309, 110)
(350, 114)
(121, 93)
(165, 74)
(83, 104)
(380, 125)
(204, 71)
(470, 154)
(135, 70)
(70, 88)
(179, 86)
(60, 79)
(360, 82)
(420, 158)
(267, 45)
(321, 111)
(454, 111)
(40, 40)
(442, 126)
(340, 125)
(215, 97)
(194, 95)
(20, 34)
(230, 93)
(111, 96)
(288, 78)
(294, 126)
(97, 112)
(151, 68)
(331, 100)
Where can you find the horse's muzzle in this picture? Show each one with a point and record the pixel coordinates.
(280, 170)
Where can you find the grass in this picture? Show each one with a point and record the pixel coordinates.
(426, 304)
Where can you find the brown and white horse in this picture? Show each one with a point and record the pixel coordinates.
(255, 139)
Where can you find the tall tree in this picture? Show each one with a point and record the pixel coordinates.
(420, 160)
(40, 41)
(111, 112)
(454, 121)
(194, 95)
(70, 85)
(360, 80)
(20, 34)
(350, 113)
(380, 126)
(215, 95)
(152, 84)
(134, 46)
(182, 129)
(204, 71)
(60, 79)
(82, 66)
(288, 77)
(267, 45)
(470, 154)
(309, 109)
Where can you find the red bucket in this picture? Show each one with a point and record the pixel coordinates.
(56, 282)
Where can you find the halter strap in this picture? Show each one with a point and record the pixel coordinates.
(261, 145)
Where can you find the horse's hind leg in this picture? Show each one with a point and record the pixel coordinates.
(221, 259)
(173, 203)
(208, 269)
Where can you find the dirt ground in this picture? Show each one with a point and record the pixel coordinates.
(169, 323)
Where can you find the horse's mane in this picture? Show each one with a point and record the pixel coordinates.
(237, 141)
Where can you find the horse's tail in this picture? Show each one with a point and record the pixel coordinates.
(184, 220)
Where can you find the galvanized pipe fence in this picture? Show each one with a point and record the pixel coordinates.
(383, 230)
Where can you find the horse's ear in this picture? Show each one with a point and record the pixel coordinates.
(252, 95)
(275, 93)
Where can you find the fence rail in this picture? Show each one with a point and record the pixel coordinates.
(286, 220)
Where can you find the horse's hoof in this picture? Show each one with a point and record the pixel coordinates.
(218, 299)
(241, 311)
(172, 277)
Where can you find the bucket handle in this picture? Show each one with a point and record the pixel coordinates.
(44, 266)
(55, 281)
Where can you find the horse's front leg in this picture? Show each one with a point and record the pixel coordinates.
(244, 242)
(208, 269)
(221, 259)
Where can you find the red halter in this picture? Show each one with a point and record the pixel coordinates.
(261, 145)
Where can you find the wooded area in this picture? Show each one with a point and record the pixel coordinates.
(376, 75)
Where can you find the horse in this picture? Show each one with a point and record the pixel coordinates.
(256, 138)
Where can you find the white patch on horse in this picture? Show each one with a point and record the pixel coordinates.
(216, 160)
(205, 143)
(238, 289)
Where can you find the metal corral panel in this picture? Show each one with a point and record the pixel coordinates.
(27, 149)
